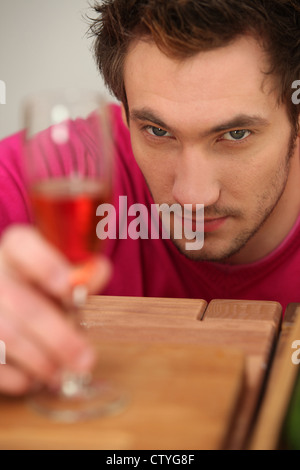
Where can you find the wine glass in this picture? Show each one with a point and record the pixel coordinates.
(68, 161)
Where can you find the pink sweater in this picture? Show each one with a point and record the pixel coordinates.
(155, 267)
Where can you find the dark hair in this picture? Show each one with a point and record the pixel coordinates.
(182, 28)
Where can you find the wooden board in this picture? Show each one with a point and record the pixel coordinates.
(266, 434)
(142, 326)
(257, 324)
(250, 326)
(151, 310)
(178, 398)
(268, 312)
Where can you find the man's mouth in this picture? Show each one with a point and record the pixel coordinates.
(211, 225)
(199, 223)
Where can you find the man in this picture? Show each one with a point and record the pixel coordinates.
(206, 94)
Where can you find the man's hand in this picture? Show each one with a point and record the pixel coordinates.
(35, 284)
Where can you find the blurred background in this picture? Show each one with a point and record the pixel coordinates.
(43, 45)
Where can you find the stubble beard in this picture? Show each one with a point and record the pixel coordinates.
(263, 214)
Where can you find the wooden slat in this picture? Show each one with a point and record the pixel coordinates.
(245, 319)
(149, 307)
(245, 310)
(283, 375)
(253, 338)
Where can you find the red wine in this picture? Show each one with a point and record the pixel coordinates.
(65, 213)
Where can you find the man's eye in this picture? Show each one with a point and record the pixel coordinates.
(157, 131)
(237, 135)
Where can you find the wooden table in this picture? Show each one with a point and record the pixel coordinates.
(194, 375)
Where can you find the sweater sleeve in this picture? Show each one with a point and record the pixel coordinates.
(14, 201)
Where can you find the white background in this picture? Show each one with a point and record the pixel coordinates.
(43, 45)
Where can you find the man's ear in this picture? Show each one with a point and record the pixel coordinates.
(124, 115)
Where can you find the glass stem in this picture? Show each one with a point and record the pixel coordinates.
(73, 384)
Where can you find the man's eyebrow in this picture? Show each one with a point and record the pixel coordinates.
(241, 121)
(146, 114)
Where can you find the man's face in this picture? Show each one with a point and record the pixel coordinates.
(209, 130)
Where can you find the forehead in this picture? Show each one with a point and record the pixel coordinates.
(214, 83)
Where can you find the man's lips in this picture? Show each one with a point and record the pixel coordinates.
(210, 225)
(207, 225)
(198, 221)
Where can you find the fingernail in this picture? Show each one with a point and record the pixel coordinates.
(79, 295)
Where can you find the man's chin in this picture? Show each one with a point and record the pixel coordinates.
(203, 254)
(207, 253)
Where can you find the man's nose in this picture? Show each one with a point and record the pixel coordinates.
(196, 179)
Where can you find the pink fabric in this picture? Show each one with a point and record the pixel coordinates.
(155, 268)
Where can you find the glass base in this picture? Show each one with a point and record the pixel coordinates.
(95, 399)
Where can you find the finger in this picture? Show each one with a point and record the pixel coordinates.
(44, 323)
(43, 265)
(13, 381)
(25, 354)
(26, 253)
